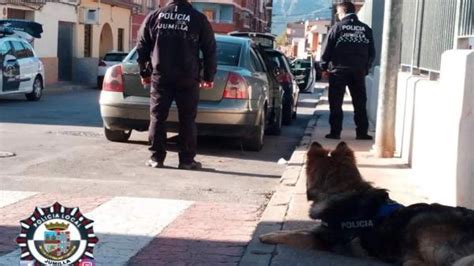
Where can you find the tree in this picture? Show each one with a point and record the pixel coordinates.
(281, 40)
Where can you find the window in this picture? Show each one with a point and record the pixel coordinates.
(114, 57)
(5, 49)
(255, 61)
(210, 14)
(120, 40)
(149, 4)
(87, 40)
(228, 54)
(20, 50)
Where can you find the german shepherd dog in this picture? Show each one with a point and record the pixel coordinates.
(350, 208)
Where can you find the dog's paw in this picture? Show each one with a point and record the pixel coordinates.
(270, 238)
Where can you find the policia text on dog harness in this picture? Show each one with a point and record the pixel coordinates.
(353, 226)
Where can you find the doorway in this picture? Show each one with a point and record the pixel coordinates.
(65, 46)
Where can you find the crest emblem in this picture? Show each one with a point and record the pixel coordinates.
(57, 235)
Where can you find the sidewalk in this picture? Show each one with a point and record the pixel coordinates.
(288, 208)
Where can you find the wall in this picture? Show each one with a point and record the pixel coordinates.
(47, 46)
(372, 85)
(435, 128)
(372, 13)
(116, 17)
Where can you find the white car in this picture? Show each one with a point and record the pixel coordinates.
(110, 59)
(21, 71)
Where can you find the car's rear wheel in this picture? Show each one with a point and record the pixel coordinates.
(275, 129)
(255, 141)
(287, 111)
(117, 135)
(37, 91)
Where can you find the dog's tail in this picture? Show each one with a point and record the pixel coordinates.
(466, 261)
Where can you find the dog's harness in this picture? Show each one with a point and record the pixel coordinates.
(353, 226)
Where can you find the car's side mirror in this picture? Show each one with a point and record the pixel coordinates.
(276, 71)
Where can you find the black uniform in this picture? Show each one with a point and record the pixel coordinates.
(348, 55)
(168, 50)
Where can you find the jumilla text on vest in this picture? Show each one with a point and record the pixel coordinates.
(174, 21)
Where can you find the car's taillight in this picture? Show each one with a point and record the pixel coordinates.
(102, 63)
(113, 79)
(236, 87)
(284, 78)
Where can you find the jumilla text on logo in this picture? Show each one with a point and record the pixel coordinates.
(57, 235)
(357, 224)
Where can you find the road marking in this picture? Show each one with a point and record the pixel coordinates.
(126, 225)
(10, 197)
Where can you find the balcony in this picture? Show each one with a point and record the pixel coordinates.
(27, 3)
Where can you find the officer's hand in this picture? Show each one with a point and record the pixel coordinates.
(325, 75)
(206, 85)
(146, 81)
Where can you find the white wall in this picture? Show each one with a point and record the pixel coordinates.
(49, 16)
(435, 129)
(372, 85)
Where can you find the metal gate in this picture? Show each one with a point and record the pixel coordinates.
(65, 46)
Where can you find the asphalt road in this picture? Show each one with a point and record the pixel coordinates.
(60, 147)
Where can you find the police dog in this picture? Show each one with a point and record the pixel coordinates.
(350, 208)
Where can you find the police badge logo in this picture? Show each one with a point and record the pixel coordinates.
(57, 235)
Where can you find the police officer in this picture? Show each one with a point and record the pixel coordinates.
(168, 56)
(348, 55)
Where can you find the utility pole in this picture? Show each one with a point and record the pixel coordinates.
(390, 62)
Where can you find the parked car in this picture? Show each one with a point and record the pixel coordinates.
(21, 71)
(281, 67)
(305, 73)
(110, 59)
(241, 103)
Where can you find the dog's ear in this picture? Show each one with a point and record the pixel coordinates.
(343, 150)
(316, 144)
(317, 150)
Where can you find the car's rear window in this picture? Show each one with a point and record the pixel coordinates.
(278, 61)
(228, 54)
(114, 57)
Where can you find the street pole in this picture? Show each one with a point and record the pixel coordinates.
(390, 62)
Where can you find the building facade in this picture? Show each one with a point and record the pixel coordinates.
(235, 15)
(316, 31)
(141, 9)
(76, 33)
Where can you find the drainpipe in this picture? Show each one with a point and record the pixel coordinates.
(412, 67)
(456, 25)
(390, 62)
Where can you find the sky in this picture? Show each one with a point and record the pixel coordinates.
(285, 11)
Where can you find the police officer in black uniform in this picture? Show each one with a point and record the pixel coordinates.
(348, 55)
(168, 56)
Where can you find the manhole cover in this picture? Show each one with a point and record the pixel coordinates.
(6, 154)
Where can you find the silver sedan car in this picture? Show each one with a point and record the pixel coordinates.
(244, 102)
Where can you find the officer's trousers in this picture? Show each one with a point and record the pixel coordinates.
(355, 80)
(186, 96)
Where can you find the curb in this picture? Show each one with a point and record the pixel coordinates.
(273, 217)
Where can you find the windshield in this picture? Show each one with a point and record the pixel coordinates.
(114, 57)
(302, 64)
